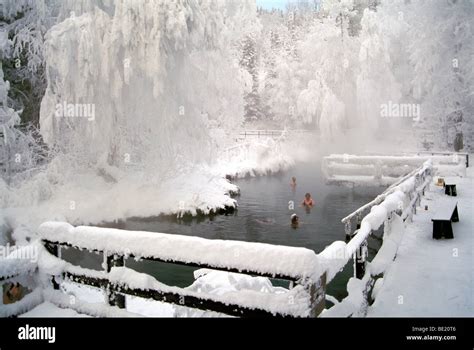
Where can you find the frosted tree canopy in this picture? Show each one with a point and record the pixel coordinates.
(148, 67)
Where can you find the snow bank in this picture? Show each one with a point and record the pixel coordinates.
(87, 198)
(263, 258)
(50, 310)
(65, 301)
(151, 308)
(256, 157)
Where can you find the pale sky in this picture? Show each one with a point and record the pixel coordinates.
(269, 4)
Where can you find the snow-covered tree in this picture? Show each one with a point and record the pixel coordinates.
(442, 62)
(20, 151)
(152, 72)
(25, 22)
(376, 85)
(250, 62)
(280, 79)
(329, 65)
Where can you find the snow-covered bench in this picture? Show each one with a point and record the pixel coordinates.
(450, 190)
(446, 212)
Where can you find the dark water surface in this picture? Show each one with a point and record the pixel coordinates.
(263, 216)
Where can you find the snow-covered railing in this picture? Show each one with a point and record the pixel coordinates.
(449, 154)
(383, 170)
(419, 174)
(397, 204)
(271, 133)
(258, 133)
(300, 266)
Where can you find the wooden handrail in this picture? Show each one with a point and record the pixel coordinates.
(189, 264)
(179, 299)
(116, 292)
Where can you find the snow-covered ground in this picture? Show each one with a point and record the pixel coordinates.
(432, 278)
(52, 311)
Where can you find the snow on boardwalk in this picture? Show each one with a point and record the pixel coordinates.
(432, 277)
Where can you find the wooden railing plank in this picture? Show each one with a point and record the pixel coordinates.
(175, 298)
(180, 263)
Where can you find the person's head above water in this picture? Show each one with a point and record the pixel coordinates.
(293, 179)
(294, 219)
(307, 195)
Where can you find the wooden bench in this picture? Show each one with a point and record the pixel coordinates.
(450, 190)
(446, 213)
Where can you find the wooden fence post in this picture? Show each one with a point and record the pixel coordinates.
(53, 249)
(115, 299)
(360, 259)
(317, 293)
(348, 230)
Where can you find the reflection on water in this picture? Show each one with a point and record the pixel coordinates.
(264, 215)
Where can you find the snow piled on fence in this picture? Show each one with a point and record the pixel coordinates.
(228, 288)
(244, 256)
(393, 235)
(385, 170)
(208, 282)
(335, 256)
(220, 282)
(276, 303)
